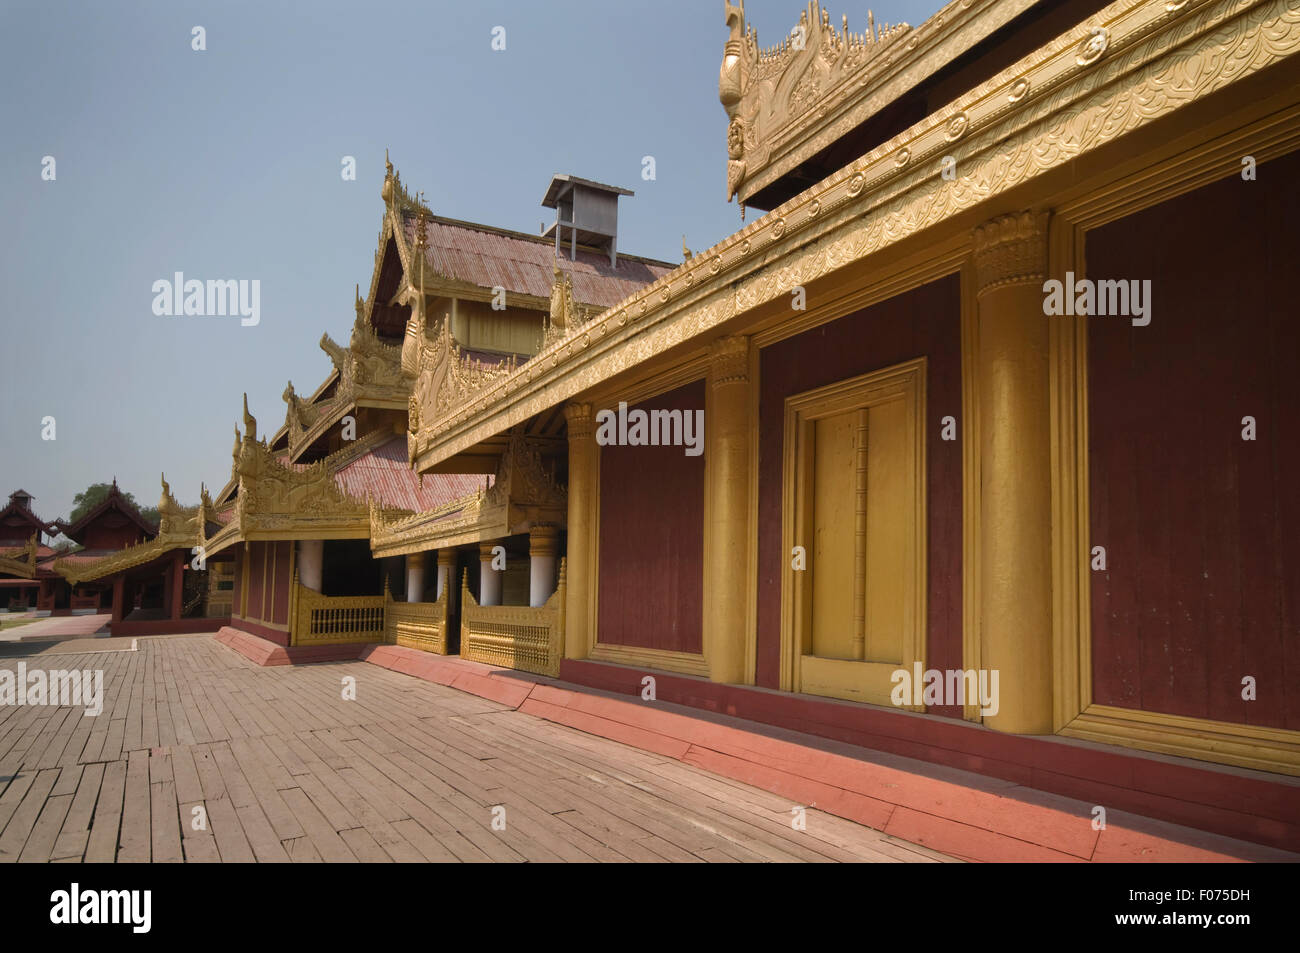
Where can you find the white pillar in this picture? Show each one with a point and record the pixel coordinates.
(414, 577)
(311, 562)
(542, 546)
(489, 579)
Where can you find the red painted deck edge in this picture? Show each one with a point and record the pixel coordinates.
(977, 814)
(1238, 806)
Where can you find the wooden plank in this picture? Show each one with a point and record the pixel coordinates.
(75, 835)
(135, 840)
(102, 845)
(19, 826)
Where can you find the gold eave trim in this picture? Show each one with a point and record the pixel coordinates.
(1043, 112)
(431, 536)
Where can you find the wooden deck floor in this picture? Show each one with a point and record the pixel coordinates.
(286, 770)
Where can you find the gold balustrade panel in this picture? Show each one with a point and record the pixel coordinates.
(519, 637)
(417, 625)
(330, 620)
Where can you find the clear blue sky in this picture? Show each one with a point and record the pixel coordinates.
(226, 164)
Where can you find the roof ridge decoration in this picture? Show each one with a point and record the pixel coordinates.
(394, 193)
(21, 562)
(368, 368)
(274, 498)
(565, 313)
(179, 527)
(770, 93)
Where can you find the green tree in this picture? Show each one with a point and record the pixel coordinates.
(94, 494)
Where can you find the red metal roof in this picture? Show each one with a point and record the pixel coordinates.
(490, 257)
(385, 475)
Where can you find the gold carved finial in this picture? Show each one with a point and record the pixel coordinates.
(687, 254)
(421, 223)
(386, 190)
(250, 422)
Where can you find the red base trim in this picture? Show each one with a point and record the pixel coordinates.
(265, 652)
(278, 636)
(1236, 803)
(957, 812)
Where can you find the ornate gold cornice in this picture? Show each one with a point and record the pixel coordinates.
(1011, 249)
(1042, 112)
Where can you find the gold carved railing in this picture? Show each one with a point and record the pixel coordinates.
(417, 625)
(520, 637)
(327, 620)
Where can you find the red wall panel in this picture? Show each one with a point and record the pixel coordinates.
(256, 567)
(924, 322)
(279, 610)
(235, 603)
(651, 580)
(1202, 585)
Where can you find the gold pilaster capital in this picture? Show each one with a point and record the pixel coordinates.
(1010, 250)
(447, 557)
(543, 539)
(581, 420)
(485, 550)
(729, 360)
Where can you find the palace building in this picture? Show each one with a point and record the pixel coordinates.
(911, 462)
(25, 581)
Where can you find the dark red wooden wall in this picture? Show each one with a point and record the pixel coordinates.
(925, 322)
(1201, 528)
(651, 580)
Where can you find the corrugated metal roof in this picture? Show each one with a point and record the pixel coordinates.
(524, 264)
(385, 475)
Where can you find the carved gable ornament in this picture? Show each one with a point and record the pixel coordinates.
(772, 96)
(444, 379)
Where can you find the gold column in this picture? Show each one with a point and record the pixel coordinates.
(1015, 461)
(726, 509)
(579, 634)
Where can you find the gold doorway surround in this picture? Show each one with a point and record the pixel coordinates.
(854, 499)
